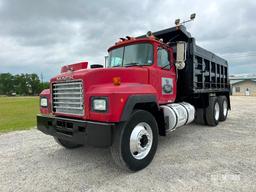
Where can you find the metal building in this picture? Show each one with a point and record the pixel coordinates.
(243, 86)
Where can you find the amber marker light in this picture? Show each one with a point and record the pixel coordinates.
(116, 81)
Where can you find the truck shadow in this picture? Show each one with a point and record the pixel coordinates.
(180, 134)
(88, 159)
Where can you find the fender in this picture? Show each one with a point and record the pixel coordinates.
(135, 99)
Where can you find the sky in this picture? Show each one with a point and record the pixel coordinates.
(40, 36)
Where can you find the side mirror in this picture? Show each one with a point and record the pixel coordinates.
(181, 55)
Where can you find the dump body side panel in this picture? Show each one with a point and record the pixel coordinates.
(210, 72)
(205, 72)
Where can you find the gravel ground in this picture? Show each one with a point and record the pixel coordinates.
(193, 158)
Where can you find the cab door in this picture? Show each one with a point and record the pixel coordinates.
(163, 75)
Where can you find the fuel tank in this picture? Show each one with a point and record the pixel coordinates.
(177, 115)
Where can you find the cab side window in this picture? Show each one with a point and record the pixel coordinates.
(163, 58)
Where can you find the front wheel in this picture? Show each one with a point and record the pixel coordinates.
(135, 142)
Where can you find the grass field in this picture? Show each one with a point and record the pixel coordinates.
(18, 113)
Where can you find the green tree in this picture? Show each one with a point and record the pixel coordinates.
(33, 83)
(43, 86)
(6, 84)
(23, 84)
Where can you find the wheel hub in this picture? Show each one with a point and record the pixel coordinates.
(225, 107)
(141, 140)
(216, 111)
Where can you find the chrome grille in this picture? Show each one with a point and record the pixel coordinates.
(68, 97)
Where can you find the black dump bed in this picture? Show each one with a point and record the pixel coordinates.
(205, 72)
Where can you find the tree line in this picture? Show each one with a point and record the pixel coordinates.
(21, 84)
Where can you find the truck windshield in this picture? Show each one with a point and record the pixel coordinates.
(131, 55)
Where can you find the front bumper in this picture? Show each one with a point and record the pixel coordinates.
(77, 131)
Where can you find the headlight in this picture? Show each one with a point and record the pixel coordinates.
(99, 104)
(43, 102)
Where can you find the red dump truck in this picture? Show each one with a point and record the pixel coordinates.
(150, 86)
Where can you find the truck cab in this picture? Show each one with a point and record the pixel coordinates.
(152, 55)
(142, 93)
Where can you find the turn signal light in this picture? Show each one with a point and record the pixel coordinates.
(116, 81)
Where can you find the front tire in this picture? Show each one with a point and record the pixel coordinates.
(66, 144)
(135, 142)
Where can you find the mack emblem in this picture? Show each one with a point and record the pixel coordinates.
(64, 78)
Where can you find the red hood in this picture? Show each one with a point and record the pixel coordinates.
(105, 75)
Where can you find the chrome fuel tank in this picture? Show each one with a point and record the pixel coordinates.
(177, 115)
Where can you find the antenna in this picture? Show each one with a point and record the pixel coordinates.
(192, 17)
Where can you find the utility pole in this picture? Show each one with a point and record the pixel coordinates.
(42, 77)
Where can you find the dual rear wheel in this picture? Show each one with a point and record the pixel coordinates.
(216, 111)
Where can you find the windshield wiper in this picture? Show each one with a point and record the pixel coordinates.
(132, 64)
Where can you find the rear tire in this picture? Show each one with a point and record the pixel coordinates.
(212, 112)
(66, 144)
(223, 107)
(200, 116)
(135, 142)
